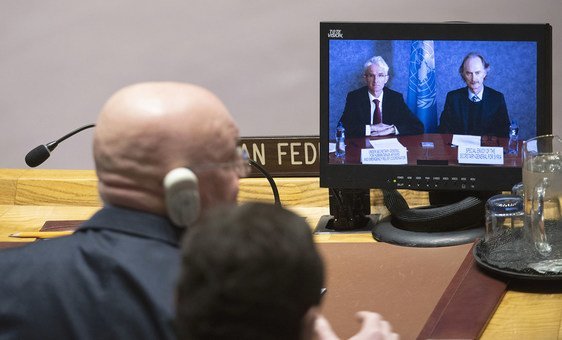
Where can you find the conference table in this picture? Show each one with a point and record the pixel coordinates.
(405, 285)
(428, 148)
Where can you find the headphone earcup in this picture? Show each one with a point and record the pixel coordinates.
(182, 196)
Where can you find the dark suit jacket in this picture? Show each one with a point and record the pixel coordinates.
(357, 113)
(114, 278)
(494, 122)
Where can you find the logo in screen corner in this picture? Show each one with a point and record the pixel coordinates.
(335, 34)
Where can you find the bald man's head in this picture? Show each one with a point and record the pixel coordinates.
(146, 130)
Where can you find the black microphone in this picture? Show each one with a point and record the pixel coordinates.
(40, 154)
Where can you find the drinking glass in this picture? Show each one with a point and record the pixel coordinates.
(542, 182)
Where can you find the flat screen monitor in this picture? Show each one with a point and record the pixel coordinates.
(430, 135)
(439, 107)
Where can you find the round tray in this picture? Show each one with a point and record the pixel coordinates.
(511, 272)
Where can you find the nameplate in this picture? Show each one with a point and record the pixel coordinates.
(480, 155)
(297, 156)
(387, 156)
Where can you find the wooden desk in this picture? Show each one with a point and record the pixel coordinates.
(520, 315)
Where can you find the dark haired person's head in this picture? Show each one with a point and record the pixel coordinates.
(473, 70)
(248, 272)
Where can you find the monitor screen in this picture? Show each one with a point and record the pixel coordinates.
(431, 106)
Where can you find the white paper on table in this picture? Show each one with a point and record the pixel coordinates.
(386, 143)
(466, 140)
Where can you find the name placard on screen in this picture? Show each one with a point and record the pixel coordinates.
(387, 156)
(387, 151)
(491, 155)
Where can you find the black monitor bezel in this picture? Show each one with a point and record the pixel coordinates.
(383, 176)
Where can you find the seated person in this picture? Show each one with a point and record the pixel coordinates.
(253, 272)
(475, 109)
(378, 106)
(115, 277)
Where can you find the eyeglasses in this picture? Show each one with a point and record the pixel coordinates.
(378, 76)
(241, 165)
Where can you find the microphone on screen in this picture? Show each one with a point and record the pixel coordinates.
(40, 154)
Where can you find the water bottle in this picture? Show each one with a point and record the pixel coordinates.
(340, 141)
(513, 146)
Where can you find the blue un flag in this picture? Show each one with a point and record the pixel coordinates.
(421, 84)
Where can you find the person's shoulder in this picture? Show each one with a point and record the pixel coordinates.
(390, 92)
(456, 95)
(492, 91)
(358, 92)
(31, 263)
(458, 91)
(41, 253)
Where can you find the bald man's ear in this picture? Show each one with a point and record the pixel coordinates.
(182, 196)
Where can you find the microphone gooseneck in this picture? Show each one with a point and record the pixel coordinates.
(40, 154)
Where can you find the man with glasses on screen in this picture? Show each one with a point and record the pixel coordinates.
(375, 109)
(475, 109)
(163, 153)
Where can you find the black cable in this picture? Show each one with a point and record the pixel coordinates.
(465, 214)
(270, 179)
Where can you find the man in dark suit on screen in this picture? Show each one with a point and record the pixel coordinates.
(377, 110)
(475, 109)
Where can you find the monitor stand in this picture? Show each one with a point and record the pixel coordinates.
(454, 217)
(350, 211)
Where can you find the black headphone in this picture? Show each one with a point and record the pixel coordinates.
(183, 204)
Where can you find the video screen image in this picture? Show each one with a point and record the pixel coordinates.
(429, 116)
